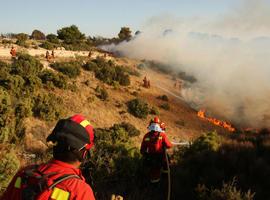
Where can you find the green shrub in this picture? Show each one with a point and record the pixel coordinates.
(23, 109)
(90, 66)
(52, 38)
(48, 107)
(108, 72)
(138, 108)
(26, 65)
(9, 165)
(7, 125)
(32, 84)
(37, 35)
(227, 192)
(102, 93)
(165, 106)
(163, 98)
(70, 35)
(48, 45)
(13, 83)
(130, 129)
(5, 107)
(154, 111)
(207, 142)
(57, 79)
(71, 69)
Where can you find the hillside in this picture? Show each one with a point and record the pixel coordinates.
(181, 120)
(36, 92)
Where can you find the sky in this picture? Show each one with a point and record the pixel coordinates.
(100, 17)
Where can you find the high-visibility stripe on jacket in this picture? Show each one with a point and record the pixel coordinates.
(70, 189)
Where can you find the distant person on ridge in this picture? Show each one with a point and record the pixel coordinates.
(60, 178)
(52, 54)
(47, 55)
(13, 52)
(153, 150)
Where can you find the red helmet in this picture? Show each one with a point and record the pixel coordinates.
(156, 120)
(75, 131)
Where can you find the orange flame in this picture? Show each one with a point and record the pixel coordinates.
(201, 114)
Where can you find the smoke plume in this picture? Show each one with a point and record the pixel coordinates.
(229, 56)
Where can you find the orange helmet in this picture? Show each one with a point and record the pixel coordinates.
(162, 125)
(156, 120)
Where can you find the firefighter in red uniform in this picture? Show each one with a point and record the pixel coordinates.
(153, 150)
(60, 178)
(13, 52)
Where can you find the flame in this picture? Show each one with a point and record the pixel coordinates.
(201, 114)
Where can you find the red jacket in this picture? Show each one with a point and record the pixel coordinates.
(73, 188)
(155, 143)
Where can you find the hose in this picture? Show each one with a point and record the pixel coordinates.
(169, 175)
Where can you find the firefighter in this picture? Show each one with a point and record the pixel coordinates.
(13, 52)
(61, 177)
(52, 54)
(153, 150)
(145, 82)
(47, 55)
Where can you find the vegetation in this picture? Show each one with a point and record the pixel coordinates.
(108, 72)
(71, 69)
(165, 106)
(138, 108)
(9, 164)
(48, 107)
(70, 35)
(163, 97)
(125, 34)
(48, 77)
(38, 35)
(102, 93)
(52, 38)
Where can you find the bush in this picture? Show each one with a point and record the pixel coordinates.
(48, 45)
(165, 106)
(26, 65)
(37, 35)
(71, 69)
(9, 165)
(207, 142)
(138, 108)
(130, 129)
(48, 107)
(163, 98)
(70, 35)
(102, 93)
(154, 111)
(227, 192)
(52, 38)
(90, 66)
(57, 79)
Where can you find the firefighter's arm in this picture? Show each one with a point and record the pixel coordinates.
(143, 146)
(166, 141)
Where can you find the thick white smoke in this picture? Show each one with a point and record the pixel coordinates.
(229, 56)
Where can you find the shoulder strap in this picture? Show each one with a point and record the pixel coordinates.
(63, 178)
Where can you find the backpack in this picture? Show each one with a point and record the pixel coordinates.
(154, 143)
(34, 182)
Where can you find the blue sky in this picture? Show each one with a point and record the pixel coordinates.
(99, 17)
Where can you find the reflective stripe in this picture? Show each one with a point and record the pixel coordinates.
(155, 180)
(146, 139)
(18, 183)
(85, 123)
(59, 194)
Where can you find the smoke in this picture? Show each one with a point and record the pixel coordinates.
(229, 56)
